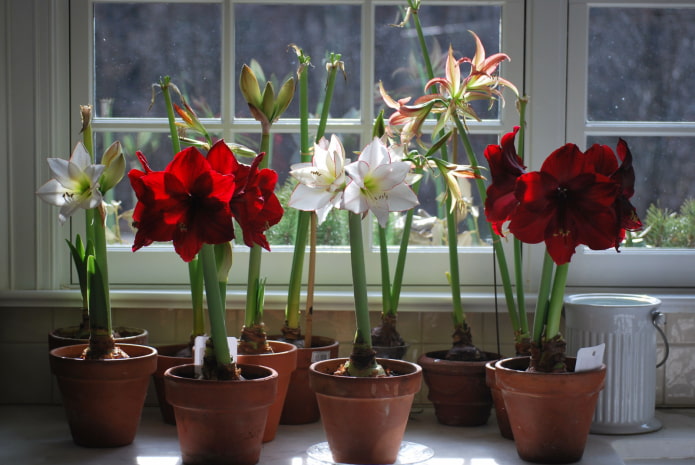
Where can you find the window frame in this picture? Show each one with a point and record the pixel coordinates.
(553, 42)
(332, 263)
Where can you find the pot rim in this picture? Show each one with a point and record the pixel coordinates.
(74, 348)
(499, 365)
(169, 373)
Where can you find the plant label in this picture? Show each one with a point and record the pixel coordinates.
(590, 358)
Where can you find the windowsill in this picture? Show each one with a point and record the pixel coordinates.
(33, 434)
(673, 301)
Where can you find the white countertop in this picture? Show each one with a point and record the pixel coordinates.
(39, 435)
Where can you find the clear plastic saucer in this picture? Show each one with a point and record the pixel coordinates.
(408, 454)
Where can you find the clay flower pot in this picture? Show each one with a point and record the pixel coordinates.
(284, 361)
(549, 413)
(300, 406)
(498, 401)
(62, 337)
(103, 399)
(365, 418)
(221, 422)
(457, 389)
(167, 358)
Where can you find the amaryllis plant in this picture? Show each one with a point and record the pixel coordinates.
(450, 98)
(375, 182)
(576, 198)
(80, 184)
(193, 204)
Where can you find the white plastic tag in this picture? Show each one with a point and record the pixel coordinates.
(590, 358)
(199, 352)
(320, 355)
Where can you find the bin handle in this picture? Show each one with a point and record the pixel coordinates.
(658, 317)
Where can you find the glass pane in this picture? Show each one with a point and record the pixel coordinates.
(263, 33)
(640, 64)
(398, 57)
(660, 196)
(136, 44)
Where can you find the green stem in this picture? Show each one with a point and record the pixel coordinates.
(539, 318)
(292, 310)
(100, 302)
(556, 300)
(218, 330)
(175, 143)
(253, 313)
(386, 305)
(402, 253)
(359, 281)
(522, 331)
(496, 243)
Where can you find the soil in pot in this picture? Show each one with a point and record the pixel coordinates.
(62, 337)
(365, 418)
(169, 356)
(550, 413)
(300, 405)
(221, 422)
(103, 399)
(457, 389)
(284, 361)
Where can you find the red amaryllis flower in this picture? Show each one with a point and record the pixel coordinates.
(565, 204)
(187, 203)
(254, 203)
(505, 167)
(624, 176)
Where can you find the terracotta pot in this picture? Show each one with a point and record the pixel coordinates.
(221, 422)
(300, 405)
(498, 401)
(457, 389)
(549, 413)
(103, 399)
(62, 337)
(284, 361)
(365, 418)
(166, 358)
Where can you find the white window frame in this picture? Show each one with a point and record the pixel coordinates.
(332, 263)
(40, 120)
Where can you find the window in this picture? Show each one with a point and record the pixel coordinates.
(202, 46)
(591, 78)
(629, 76)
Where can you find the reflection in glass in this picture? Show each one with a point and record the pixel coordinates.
(263, 33)
(640, 64)
(135, 44)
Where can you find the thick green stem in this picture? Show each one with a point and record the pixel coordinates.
(557, 295)
(359, 281)
(253, 313)
(387, 308)
(496, 243)
(539, 317)
(218, 330)
(292, 310)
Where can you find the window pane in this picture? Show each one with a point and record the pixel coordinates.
(640, 64)
(136, 44)
(664, 168)
(263, 33)
(398, 58)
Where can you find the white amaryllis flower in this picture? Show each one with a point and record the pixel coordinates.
(378, 183)
(321, 181)
(75, 183)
